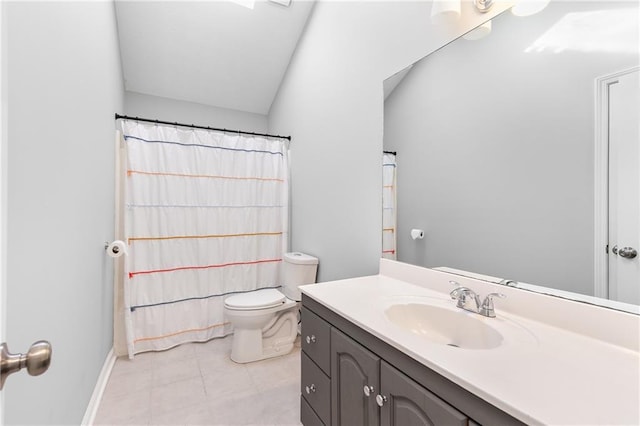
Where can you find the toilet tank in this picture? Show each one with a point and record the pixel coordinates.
(298, 269)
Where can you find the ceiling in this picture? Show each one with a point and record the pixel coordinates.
(213, 52)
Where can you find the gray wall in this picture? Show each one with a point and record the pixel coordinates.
(331, 103)
(64, 85)
(495, 153)
(158, 108)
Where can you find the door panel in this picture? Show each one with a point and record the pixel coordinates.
(409, 404)
(624, 188)
(352, 368)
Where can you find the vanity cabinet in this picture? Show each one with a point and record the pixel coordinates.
(365, 390)
(352, 378)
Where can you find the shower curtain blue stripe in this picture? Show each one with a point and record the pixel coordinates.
(133, 308)
(182, 206)
(127, 137)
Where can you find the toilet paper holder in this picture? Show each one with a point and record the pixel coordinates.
(417, 234)
(115, 248)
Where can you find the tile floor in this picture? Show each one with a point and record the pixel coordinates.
(197, 384)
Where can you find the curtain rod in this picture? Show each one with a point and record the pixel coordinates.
(126, 117)
(389, 152)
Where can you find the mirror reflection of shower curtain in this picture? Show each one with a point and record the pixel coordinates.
(206, 216)
(389, 205)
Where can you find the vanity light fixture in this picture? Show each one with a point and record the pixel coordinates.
(445, 12)
(528, 7)
(483, 5)
(485, 29)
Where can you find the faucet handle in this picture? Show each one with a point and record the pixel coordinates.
(487, 308)
(455, 293)
(461, 294)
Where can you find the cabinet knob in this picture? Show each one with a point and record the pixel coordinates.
(380, 400)
(368, 390)
(311, 339)
(311, 388)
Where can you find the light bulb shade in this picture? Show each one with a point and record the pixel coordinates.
(478, 32)
(528, 7)
(445, 11)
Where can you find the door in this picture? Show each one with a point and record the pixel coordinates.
(3, 139)
(404, 402)
(36, 360)
(624, 188)
(354, 382)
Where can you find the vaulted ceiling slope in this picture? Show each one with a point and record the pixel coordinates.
(213, 52)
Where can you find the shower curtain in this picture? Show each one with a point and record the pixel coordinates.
(389, 205)
(206, 216)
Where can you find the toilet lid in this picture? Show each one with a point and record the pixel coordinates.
(260, 299)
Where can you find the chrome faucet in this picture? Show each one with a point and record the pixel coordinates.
(463, 295)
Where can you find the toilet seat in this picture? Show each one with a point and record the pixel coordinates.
(254, 300)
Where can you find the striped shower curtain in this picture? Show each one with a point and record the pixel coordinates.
(206, 216)
(389, 206)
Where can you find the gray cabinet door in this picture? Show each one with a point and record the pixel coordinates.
(407, 403)
(352, 368)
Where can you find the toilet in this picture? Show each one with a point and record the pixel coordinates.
(265, 322)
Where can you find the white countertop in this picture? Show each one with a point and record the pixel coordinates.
(540, 374)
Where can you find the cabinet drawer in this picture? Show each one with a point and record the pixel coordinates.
(308, 417)
(316, 389)
(316, 339)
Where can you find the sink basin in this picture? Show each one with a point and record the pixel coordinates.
(447, 326)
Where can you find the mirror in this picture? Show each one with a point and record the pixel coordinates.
(497, 150)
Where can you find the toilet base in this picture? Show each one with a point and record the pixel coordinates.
(249, 345)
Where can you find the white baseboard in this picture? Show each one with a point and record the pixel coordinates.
(101, 384)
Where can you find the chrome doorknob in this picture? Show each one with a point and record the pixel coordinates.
(368, 390)
(380, 400)
(628, 252)
(36, 360)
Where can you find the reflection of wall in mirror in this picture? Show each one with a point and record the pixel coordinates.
(496, 147)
